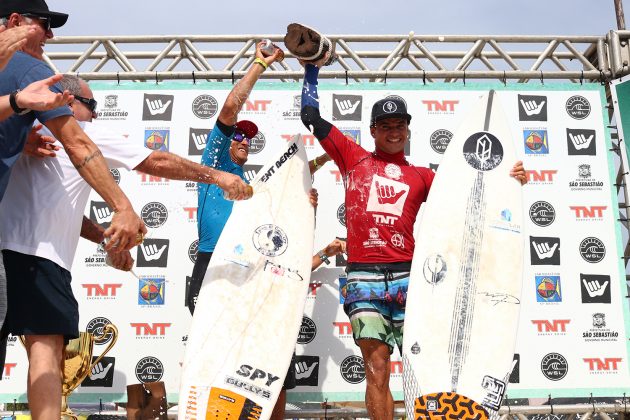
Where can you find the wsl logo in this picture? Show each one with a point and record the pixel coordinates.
(341, 214)
(554, 366)
(592, 249)
(96, 327)
(439, 140)
(149, 369)
(483, 151)
(352, 369)
(542, 214)
(257, 143)
(205, 106)
(193, 249)
(578, 107)
(154, 214)
(308, 331)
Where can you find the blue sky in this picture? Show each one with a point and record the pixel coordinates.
(161, 17)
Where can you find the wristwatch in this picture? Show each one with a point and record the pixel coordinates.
(322, 256)
(14, 105)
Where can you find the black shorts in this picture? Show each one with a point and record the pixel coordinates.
(39, 297)
(199, 272)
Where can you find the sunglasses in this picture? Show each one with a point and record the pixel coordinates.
(90, 103)
(239, 137)
(44, 21)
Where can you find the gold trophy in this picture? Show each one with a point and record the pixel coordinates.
(77, 363)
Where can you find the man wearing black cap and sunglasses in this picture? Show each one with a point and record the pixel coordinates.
(383, 195)
(40, 253)
(26, 67)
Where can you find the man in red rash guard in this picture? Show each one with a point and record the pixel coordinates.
(383, 195)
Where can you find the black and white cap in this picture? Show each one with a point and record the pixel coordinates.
(389, 108)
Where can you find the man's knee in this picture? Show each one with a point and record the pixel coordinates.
(377, 361)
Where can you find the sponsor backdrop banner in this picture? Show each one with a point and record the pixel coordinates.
(574, 328)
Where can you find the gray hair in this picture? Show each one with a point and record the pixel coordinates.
(71, 83)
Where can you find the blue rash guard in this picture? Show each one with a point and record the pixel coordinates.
(213, 210)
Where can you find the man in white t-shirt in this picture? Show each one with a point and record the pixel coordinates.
(38, 245)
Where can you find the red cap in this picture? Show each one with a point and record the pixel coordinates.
(248, 128)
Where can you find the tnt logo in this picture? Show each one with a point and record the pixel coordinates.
(313, 287)
(8, 368)
(588, 212)
(343, 328)
(337, 174)
(544, 176)
(553, 326)
(608, 364)
(106, 290)
(446, 106)
(258, 105)
(191, 212)
(154, 329)
(307, 139)
(150, 179)
(396, 367)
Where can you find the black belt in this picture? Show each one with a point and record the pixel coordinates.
(396, 267)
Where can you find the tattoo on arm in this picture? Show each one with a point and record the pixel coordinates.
(87, 159)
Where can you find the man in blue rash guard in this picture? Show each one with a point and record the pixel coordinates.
(227, 149)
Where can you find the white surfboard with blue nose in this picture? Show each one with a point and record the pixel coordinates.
(464, 295)
(250, 306)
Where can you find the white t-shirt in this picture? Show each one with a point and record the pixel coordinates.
(42, 210)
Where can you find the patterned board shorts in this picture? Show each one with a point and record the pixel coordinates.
(376, 306)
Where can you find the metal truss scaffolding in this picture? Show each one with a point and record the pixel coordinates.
(361, 57)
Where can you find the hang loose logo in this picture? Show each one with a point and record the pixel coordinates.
(387, 194)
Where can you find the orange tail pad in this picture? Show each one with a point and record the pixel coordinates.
(224, 405)
(448, 406)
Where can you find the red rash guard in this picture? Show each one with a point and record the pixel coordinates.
(383, 195)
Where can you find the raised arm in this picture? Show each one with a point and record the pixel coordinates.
(240, 92)
(310, 102)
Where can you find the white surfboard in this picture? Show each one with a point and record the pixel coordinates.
(464, 294)
(250, 306)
